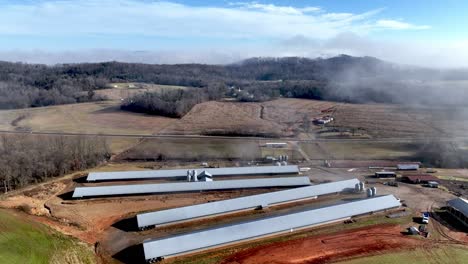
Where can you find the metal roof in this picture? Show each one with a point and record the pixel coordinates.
(152, 174)
(189, 242)
(231, 205)
(421, 177)
(408, 166)
(384, 172)
(188, 186)
(460, 205)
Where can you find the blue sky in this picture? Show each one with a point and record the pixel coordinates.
(229, 30)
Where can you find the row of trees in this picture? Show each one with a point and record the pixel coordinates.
(173, 102)
(342, 78)
(26, 159)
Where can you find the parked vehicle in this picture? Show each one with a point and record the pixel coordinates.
(425, 218)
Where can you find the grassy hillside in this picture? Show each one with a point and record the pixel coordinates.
(444, 254)
(22, 241)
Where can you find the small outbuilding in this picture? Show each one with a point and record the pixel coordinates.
(420, 178)
(276, 145)
(408, 166)
(458, 208)
(385, 174)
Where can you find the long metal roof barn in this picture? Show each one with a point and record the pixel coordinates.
(460, 205)
(190, 242)
(187, 213)
(188, 186)
(154, 174)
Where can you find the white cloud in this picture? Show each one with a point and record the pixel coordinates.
(286, 30)
(169, 19)
(271, 8)
(395, 24)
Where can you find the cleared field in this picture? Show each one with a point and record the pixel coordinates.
(381, 120)
(193, 150)
(24, 241)
(118, 91)
(226, 118)
(282, 117)
(98, 117)
(289, 117)
(360, 150)
(443, 254)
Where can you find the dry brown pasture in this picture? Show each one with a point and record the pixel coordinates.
(226, 118)
(285, 117)
(193, 149)
(97, 117)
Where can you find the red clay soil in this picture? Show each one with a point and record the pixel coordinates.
(329, 248)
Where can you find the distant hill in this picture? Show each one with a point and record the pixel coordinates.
(341, 78)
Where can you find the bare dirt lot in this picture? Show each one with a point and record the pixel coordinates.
(330, 248)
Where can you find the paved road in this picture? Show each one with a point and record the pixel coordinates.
(403, 140)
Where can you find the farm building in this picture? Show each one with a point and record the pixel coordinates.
(459, 209)
(179, 173)
(276, 145)
(385, 174)
(135, 189)
(408, 166)
(191, 212)
(422, 178)
(172, 246)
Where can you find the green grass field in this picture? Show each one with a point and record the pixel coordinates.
(444, 254)
(360, 150)
(22, 241)
(196, 149)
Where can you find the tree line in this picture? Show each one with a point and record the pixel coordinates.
(26, 159)
(342, 78)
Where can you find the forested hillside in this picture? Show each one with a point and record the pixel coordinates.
(342, 78)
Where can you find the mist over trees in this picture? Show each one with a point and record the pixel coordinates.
(26, 159)
(343, 78)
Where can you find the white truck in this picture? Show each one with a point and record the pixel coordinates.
(425, 218)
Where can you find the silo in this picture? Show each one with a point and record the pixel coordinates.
(278, 163)
(195, 175)
(188, 175)
(284, 163)
(374, 191)
(357, 188)
(362, 187)
(369, 192)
